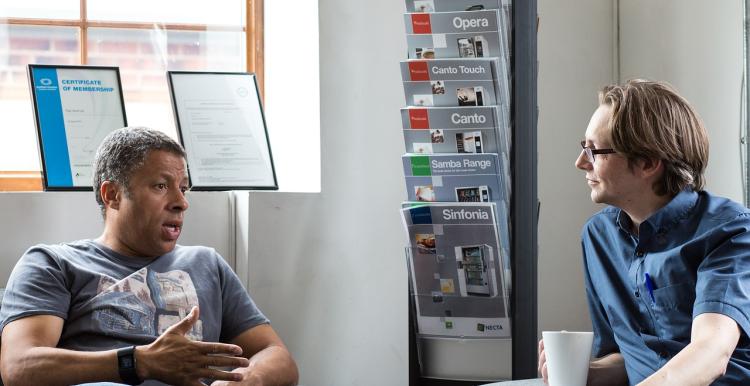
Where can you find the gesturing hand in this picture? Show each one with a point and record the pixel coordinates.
(176, 360)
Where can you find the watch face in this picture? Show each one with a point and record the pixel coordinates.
(126, 366)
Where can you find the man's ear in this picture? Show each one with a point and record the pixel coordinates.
(650, 168)
(111, 194)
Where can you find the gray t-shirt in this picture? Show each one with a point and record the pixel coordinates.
(109, 300)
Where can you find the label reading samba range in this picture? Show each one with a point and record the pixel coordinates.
(467, 163)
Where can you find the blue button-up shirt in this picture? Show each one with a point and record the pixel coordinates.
(695, 252)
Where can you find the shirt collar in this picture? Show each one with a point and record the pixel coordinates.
(665, 218)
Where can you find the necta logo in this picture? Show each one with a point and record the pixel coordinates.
(45, 81)
(420, 23)
(489, 327)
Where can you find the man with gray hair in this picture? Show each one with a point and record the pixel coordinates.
(132, 306)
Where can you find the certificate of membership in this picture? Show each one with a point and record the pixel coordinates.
(220, 122)
(76, 107)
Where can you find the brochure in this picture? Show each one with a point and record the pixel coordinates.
(456, 269)
(450, 164)
(454, 178)
(504, 6)
(452, 82)
(439, 35)
(474, 129)
(472, 34)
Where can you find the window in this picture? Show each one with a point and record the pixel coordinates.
(145, 38)
(292, 92)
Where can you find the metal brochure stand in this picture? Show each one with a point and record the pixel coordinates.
(524, 209)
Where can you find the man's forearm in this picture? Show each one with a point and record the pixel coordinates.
(713, 340)
(608, 371)
(54, 366)
(273, 365)
(696, 365)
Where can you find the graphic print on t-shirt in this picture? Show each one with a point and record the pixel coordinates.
(146, 302)
(174, 295)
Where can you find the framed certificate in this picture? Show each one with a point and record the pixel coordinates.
(220, 123)
(75, 107)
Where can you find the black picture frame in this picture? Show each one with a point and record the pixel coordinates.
(182, 128)
(43, 139)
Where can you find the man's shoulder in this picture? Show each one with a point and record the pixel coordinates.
(722, 208)
(197, 254)
(61, 250)
(195, 251)
(719, 216)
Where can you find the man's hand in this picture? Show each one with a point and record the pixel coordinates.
(608, 370)
(174, 359)
(542, 366)
(271, 364)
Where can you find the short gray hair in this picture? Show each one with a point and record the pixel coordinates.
(125, 150)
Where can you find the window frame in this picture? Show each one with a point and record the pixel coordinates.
(14, 180)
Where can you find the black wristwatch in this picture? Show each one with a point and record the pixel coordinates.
(126, 366)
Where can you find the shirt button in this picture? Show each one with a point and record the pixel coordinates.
(639, 253)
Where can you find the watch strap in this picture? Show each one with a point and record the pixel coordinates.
(126, 366)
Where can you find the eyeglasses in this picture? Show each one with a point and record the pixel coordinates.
(591, 153)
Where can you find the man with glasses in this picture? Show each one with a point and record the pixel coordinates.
(666, 264)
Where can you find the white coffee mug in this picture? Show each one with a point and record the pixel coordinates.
(568, 355)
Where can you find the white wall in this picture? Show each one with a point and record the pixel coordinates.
(329, 268)
(575, 51)
(697, 47)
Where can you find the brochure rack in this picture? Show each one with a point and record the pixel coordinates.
(470, 171)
